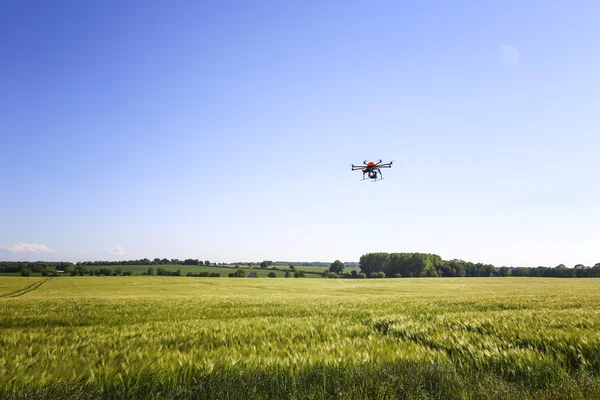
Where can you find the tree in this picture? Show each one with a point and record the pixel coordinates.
(25, 271)
(579, 270)
(272, 275)
(354, 273)
(151, 271)
(287, 274)
(337, 267)
(207, 263)
(264, 264)
(298, 274)
(292, 268)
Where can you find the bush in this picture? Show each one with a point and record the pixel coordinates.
(378, 275)
(362, 275)
(272, 275)
(298, 274)
(25, 271)
(287, 274)
(354, 273)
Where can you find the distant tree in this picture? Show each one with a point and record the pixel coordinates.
(207, 263)
(292, 268)
(25, 271)
(298, 274)
(354, 273)
(579, 270)
(44, 271)
(287, 274)
(337, 267)
(325, 274)
(272, 275)
(68, 268)
(264, 265)
(362, 275)
(157, 261)
(151, 271)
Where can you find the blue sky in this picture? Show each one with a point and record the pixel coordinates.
(225, 130)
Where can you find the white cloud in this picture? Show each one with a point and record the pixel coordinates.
(27, 248)
(116, 251)
(510, 56)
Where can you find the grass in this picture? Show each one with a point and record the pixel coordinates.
(165, 337)
(311, 271)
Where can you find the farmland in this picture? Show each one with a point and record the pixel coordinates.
(164, 337)
(222, 270)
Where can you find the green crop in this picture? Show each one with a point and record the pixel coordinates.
(165, 337)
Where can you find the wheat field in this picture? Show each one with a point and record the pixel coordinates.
(178, 337)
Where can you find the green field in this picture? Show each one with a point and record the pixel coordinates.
(179, 337)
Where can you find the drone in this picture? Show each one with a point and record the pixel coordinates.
(372, 169)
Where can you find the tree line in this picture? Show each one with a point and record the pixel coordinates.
(407, 265)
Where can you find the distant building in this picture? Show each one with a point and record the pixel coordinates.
(251, 275)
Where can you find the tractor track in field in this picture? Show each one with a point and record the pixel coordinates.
(25, 290)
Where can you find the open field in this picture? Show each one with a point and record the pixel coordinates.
(165, 337)
(310, 271)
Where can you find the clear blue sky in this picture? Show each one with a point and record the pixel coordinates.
(225, 130)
